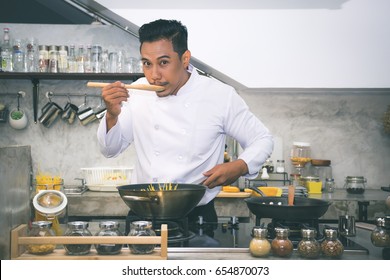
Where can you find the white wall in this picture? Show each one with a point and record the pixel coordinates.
(280, 43)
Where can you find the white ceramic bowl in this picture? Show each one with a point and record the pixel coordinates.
(20, 123)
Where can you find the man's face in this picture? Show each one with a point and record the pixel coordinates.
(162, 66)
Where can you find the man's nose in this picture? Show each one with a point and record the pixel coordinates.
(155, 73)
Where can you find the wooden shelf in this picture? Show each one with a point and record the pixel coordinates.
(19, 238)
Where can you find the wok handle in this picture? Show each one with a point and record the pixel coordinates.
(141, 198)
(255, 189)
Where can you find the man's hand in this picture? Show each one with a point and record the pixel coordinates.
(113, 95)
(225, 173)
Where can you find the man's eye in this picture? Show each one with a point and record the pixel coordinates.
(146, 63)
(164, 62)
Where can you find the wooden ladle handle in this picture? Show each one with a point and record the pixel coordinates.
(130, 86)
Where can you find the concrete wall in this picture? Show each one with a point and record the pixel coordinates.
(342, 125)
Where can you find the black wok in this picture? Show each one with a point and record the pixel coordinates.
(278, 208)
(161, 204)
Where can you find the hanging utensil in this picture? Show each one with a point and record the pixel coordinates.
(130, 86)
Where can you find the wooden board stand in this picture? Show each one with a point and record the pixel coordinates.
(19, 238)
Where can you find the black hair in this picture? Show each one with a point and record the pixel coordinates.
(171, 30)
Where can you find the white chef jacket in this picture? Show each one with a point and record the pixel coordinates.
(179, 137)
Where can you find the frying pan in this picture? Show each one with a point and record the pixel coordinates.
(278, 208)
(161, 204)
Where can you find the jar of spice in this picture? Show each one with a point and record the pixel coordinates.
(41, 229)
(281, 246)
(309, 247)
(259, 245)
(77, 228)
(331, 247)
(280, 166)
(108, 228)
(141, 228)
(380, 237)
(355, 184)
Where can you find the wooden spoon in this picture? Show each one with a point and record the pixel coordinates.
(291, 194)
(130, 86)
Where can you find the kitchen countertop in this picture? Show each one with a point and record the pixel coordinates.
(92, 203)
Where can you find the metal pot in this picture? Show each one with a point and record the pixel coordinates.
(278, 208)
(161, 204)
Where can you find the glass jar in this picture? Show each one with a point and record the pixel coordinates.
(269, 165)
(300, 154)
(309, 247)
(141, 228)
(331, 247)
(259, 246)
(281, 246)
(41, 229)
(280, 166)
(329, 185)
(96, 59)
(77, 228)
(355, 184)
(108, 228)
(380, 237)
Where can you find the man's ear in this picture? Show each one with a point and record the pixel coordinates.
(186, 58)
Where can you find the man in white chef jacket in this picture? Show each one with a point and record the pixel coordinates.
(179, 133)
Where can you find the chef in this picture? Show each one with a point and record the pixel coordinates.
(179, 133)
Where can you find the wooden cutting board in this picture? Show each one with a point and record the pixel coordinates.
(233, 194)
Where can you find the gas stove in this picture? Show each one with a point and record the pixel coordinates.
(235, 233)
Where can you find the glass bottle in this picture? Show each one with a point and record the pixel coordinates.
(43, 60)
(53, 59)
(72, 64)
(77, 228)
(108, 228)
(18, 56)
(63, 59)
(329, 185)
(87, 60)
(259, 246)
(80, 60)
(141, 228)
(331, 247)
(281, 246)
(380, 237)
(6, 52)
(280, 166)
(41, 229)
(300, 155)
(96, 59)
(309, 247)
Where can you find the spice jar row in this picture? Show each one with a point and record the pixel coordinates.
(308, 247)
(80, 228)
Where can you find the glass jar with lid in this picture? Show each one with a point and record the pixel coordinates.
(280, 167)
(355, 184)
(281, 245)
(141, 228)
(309, 247)
(108, 228)
(331, 246)
(300, 154)
(41, 229)
(380, 237)
(259, 246)
(330, 185)
(77, 228)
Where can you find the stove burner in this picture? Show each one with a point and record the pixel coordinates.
(178, 230)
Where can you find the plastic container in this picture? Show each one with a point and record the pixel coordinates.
(106, 178)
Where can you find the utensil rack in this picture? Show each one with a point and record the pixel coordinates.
(19, 238)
